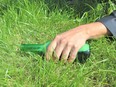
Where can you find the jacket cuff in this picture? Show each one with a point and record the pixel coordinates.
(110, 22)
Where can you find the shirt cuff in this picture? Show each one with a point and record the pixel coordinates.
(110, 22)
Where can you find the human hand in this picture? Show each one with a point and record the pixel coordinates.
(65, 46)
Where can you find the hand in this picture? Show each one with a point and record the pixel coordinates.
(65, 46)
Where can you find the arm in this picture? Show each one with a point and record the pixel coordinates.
(67, 44)
(110, 22)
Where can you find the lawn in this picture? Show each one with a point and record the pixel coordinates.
(37, 21)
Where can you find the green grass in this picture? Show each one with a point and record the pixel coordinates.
(37, 21)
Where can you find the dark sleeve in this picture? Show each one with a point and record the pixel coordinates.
(110, 22)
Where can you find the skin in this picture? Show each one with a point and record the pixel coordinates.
(65, 46)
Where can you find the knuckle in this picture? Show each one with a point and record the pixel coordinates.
(72, 57)
(63, 41)
(57, 37)
(70, 44)
(48, 48)
(75, 46)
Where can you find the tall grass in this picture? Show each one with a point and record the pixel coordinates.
(37, 21)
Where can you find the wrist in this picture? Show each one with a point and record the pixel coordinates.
(83, 30)
(95, 30)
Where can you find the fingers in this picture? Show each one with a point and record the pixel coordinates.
(63, 51)
(54, 47)
(73, 54)
(66, 52)
(59, 48)
(50, 50)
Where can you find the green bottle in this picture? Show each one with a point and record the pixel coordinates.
(82, 54)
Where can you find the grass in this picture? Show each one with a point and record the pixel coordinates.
(37, 21)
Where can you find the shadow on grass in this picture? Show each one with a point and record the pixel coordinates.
(71, 6)
(74, 6)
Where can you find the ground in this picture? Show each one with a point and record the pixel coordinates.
(37, 21)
